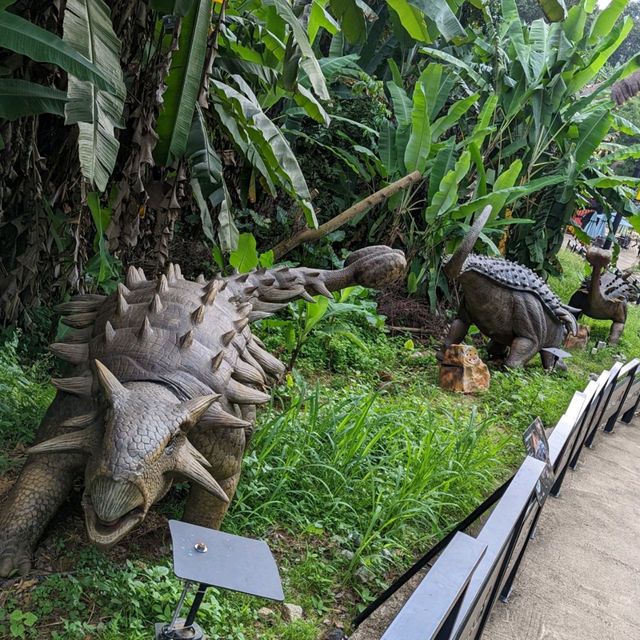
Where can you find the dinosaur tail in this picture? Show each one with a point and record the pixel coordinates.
(265, 292)
(454, 265)
(567, 315)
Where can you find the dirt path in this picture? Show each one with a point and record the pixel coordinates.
(580, 577)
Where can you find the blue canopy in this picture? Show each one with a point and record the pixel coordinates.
(597, 226)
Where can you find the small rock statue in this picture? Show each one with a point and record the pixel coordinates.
(509, 303)
(605, 294)
(166, 377)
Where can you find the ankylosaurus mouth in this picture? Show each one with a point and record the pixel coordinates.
(106, 534)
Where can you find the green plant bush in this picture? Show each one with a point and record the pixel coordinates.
(25, 395)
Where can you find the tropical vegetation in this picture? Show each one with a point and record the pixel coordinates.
(237, 134)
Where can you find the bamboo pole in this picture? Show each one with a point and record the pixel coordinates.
(311, 235)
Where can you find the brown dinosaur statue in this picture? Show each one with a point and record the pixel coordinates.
(165, 382)
(508, 302)
(603, 296)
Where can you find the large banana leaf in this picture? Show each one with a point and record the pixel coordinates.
(554, 10)
(207, 183)
(609, 46)
(87, 28)
(411, 19)
(591, 134)
(309, 61)
(319, 17)
(261, 136)
(417, 151)
(505, 195)
(631, 151)
(460, 64)
(447, 194)
(183, 84)
(19, 98)
(387, 148)
(19, 35)
(453, 116)
(351, 18)
(401, 104)
(607, 19)
(444, 18)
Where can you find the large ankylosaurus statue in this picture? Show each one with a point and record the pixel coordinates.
(165, 382)
(508, 302)
(605, 294)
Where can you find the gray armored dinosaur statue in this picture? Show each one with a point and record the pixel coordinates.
(509, 303)
(166, 377)
(605, 294)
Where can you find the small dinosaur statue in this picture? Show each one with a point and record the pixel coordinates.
(165, 382)
(508, 302)
(605, 294)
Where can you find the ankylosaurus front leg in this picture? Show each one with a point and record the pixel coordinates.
(43, 485)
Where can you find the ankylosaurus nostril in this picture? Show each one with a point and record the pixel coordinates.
(112, 499)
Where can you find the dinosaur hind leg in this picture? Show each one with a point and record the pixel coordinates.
(616, 332)
(522, 350)
(457, 332)
(43, 485)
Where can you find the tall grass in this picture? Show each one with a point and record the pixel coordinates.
(376, 474)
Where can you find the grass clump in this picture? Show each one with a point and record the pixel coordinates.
(377, 473)
(25, 394)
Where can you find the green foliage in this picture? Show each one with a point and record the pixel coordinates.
(19, 35)
(183, 83)
(332, 323)
(25, 395)
(88, 29)
(103, 268)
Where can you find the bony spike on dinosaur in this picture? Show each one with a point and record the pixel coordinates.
(166, 377)
(604, 295)
(508, 302)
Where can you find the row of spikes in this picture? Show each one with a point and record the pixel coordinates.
(535, 284)
(84, 311)
(279, 287)
(215, 416)
(249, 369)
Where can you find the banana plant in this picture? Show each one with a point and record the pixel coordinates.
(88, 29)
(552, 112)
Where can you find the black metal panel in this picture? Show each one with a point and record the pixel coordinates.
(572, 441)
(222, 560)
(620, 393)
(632, 400)
(430, 612)
(603, 405)
(501, 534)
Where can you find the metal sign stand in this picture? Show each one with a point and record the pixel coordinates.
(214, 559)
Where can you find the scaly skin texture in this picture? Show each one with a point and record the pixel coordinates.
(165, 382)
(595, 301)
(508, 303)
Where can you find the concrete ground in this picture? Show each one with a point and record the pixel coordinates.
(580, 577)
